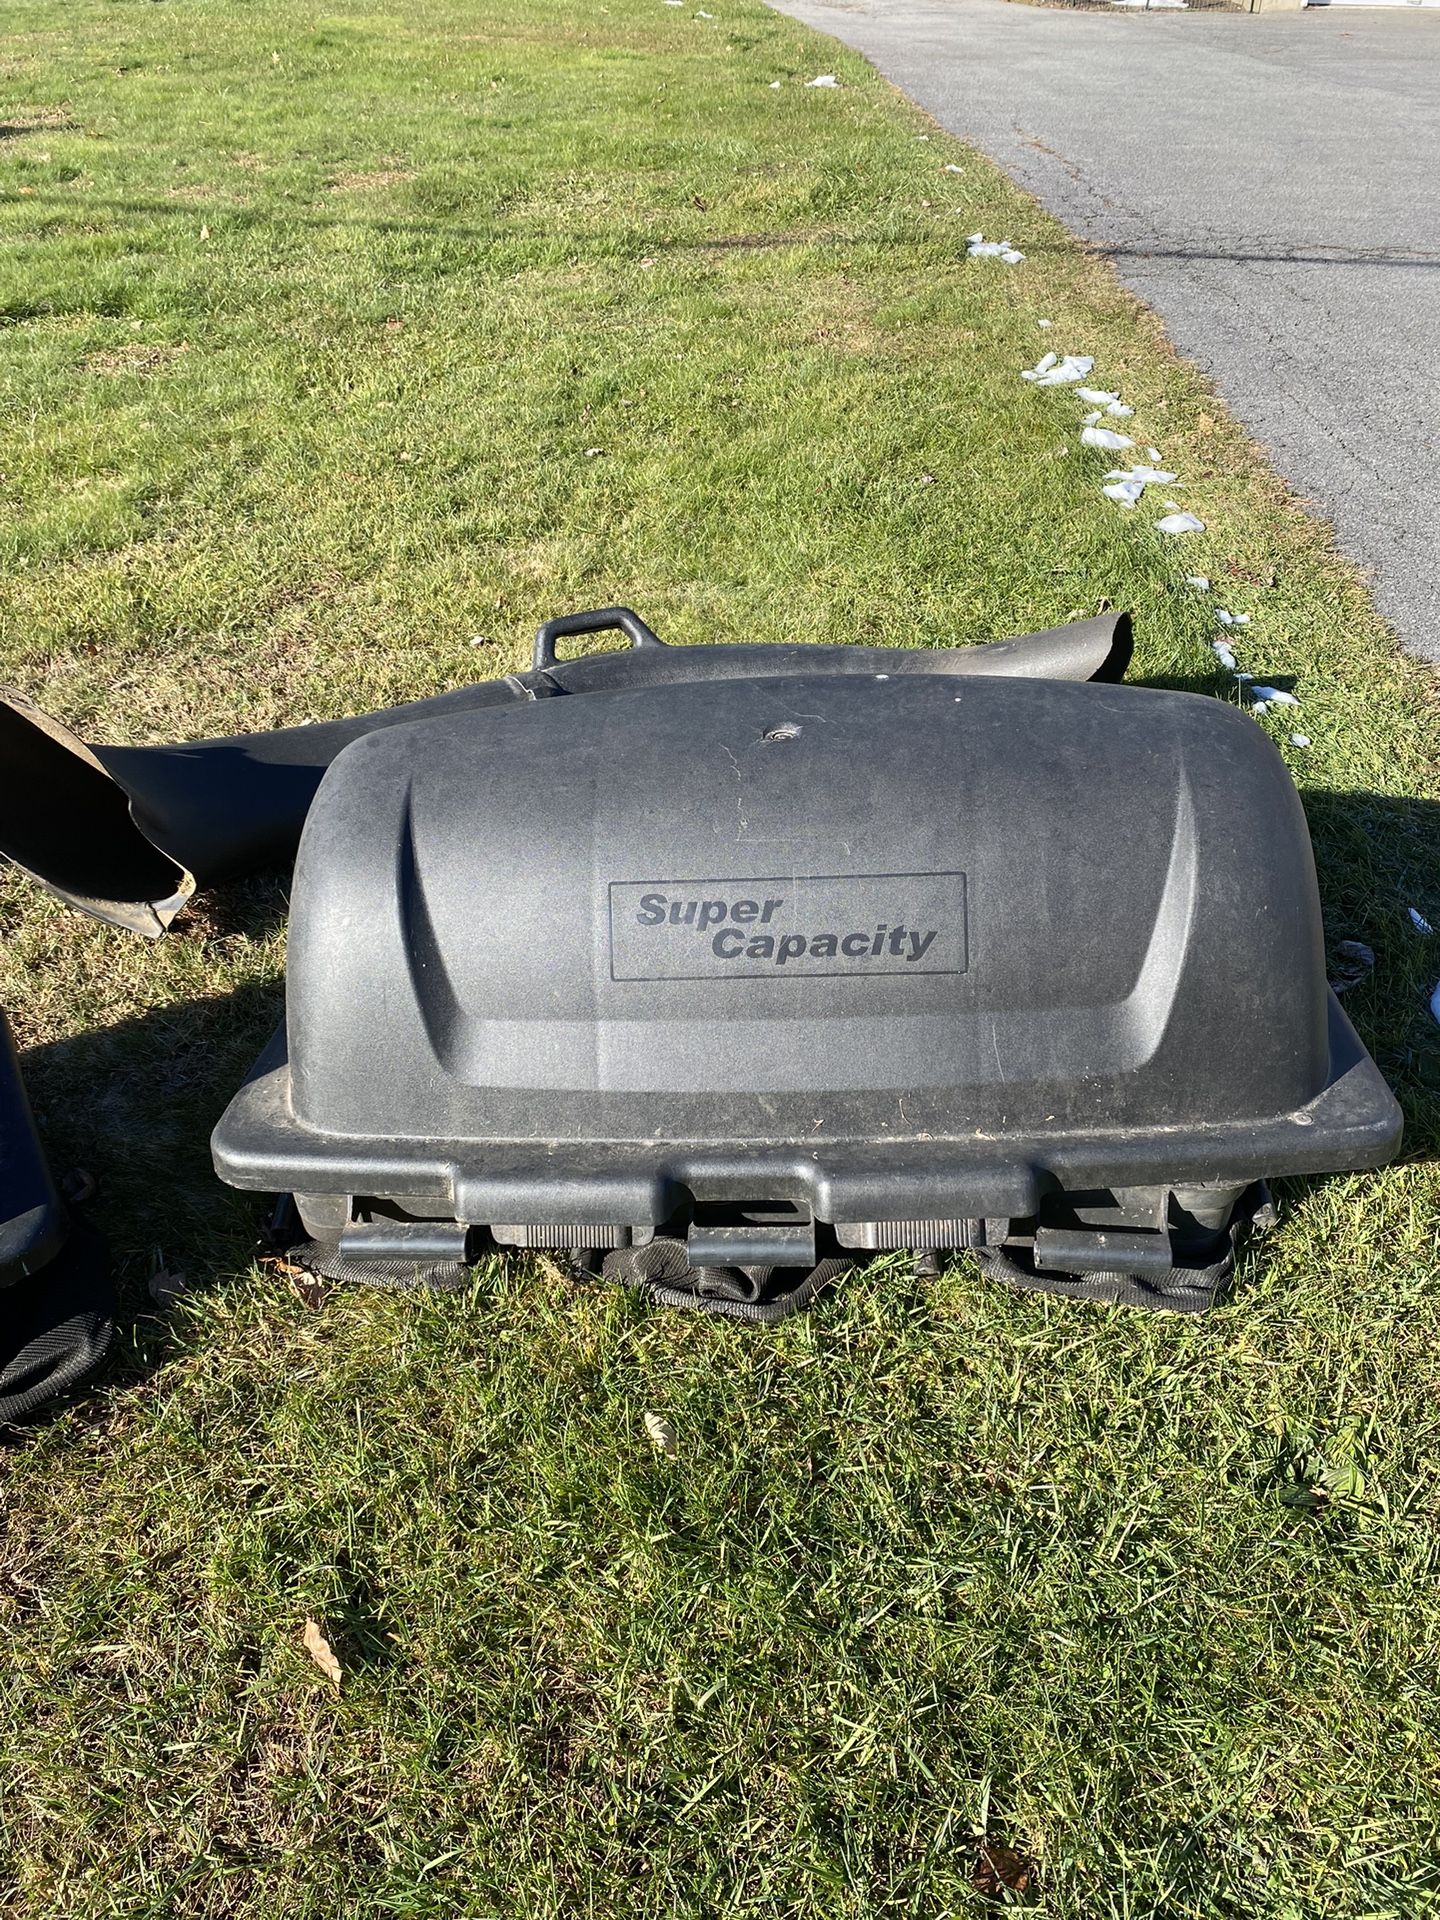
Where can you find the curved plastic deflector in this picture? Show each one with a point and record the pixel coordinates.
(127, 834)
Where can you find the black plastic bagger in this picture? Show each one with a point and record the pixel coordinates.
(727, 984)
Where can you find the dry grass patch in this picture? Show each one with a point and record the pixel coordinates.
(370, 182)
(19, 121)
(136, 357)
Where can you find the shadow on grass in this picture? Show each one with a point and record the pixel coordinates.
(131, 1107)
(242, 214)
(234, 216)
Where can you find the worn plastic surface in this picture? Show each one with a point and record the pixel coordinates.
(881, 958)
(128, 833)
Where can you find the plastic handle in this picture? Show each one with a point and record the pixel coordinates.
(601, 620)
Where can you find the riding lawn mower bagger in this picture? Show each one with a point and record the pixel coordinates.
(718, 970)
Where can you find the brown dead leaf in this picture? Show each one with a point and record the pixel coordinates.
(277, 1263)
(321, 1652)
(1000, 1870)
(308, 1287)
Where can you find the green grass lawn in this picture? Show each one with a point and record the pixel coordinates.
(308, 324)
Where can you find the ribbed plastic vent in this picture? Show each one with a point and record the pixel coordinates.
(886, 1236)
(552, 1236)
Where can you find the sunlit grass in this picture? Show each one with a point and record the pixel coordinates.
(309, 323)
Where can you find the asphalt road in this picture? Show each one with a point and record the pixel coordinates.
(1270, 184)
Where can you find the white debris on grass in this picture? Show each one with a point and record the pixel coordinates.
(1180, 523)
(1090, 419)
(1419, 922)
(1200, 581)
(1127, 485)
(1109, 401)
(1044, 323)
(977, 247)
(823, 80)
(1299, 739)
(1228, 619)
(1435, 1004)
(1147, 476)
(1051, 371)
(774, 86)
(1154, 453)
(1223, 654)
(1105, 437)
(1263, 698)
(950, 166)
